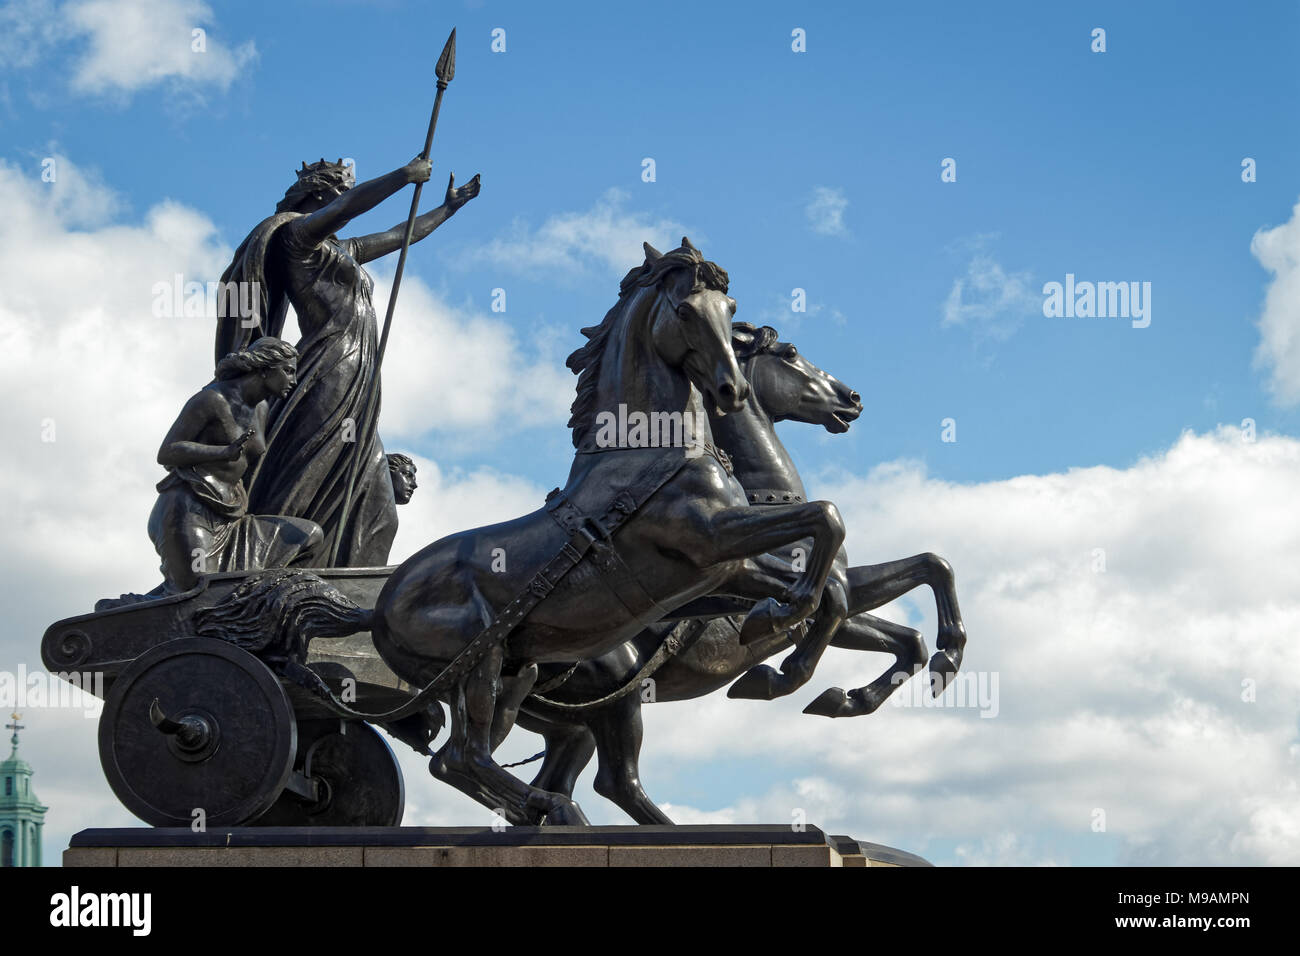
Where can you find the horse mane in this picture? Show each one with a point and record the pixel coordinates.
(585, 361)
(748, 341)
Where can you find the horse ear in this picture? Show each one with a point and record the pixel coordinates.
(742, 337)
(651, 253)
(686, 244)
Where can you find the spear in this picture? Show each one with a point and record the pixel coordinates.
(444, 71)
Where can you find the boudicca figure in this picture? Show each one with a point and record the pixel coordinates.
(315, 434)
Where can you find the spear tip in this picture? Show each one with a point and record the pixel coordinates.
(446, 68)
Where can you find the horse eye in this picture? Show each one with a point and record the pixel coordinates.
(683, 311)
(791, 352)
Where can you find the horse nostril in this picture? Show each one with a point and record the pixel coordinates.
(855, 398)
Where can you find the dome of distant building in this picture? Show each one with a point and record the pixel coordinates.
(22, 816)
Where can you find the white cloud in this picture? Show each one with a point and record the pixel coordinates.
(1120, 691)
(450, 501)
(27, 29)
(825, 211)
(606, 236)
(1278, 251)
(449, 368)
(989, 300)
(122, 46)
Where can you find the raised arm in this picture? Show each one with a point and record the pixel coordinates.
(382, 243)
(318, 226)
(178, 449)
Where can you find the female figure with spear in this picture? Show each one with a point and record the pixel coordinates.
(324, 460)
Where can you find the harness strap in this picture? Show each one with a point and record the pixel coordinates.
(681, 637)
(624, 504)
(618, 577)
(556, 681)
(773, 496)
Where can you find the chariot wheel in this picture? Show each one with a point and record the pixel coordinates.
(197, 729)
(352, 778)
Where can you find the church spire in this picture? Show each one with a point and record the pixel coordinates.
(15, 727)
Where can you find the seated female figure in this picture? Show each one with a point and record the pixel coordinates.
(200, 523)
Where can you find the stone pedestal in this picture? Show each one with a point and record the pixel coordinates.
(474, 846)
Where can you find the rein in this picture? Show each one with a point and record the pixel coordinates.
(586, 533)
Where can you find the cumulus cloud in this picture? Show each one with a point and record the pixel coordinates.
(1162, 691)
(449, 500)
(988, 300)
(607, 237)
(121, 46)
(457, 369)
(27, 29)
(1278, 251)
(825, 211)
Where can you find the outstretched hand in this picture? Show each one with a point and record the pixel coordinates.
(458, 196)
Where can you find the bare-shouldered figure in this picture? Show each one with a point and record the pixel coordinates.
(201, 522)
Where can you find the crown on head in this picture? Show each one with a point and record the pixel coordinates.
(324, 169)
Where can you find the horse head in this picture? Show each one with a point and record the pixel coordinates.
(665, 344)
(691, 326)
(787, 386)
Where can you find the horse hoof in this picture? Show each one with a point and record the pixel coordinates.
(942, 670)
(758, 683)
(832, 702)
(565, 814)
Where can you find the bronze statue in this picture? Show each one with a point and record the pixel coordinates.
(663, 560)
(595, 705)
(201, 522)
(329, 424)
(637, 535)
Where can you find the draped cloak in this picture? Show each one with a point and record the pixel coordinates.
(330, 418)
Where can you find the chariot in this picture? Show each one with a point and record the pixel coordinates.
(197, 728)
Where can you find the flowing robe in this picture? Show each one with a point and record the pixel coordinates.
(197, 511)
(330, 419)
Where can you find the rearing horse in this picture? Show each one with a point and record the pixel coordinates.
(637, 533)
(784, 386)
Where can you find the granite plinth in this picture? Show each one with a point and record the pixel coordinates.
(636, 846)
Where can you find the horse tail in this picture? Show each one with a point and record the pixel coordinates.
(279, 613)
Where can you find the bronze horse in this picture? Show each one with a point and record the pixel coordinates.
(784, 386)
(637, 533)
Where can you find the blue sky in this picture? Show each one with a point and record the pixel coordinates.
(1115, 166)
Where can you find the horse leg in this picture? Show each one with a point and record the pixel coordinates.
(513, 691)
(872, 585)
(466, 761)
(569, 748)
(765, 683)
(617, 729)
(865, 632)
(733, 534)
